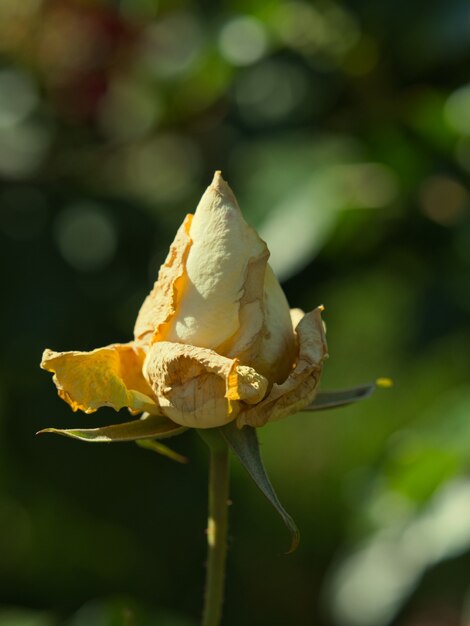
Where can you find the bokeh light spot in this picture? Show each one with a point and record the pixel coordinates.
(86, 236)
(18, 97)
(301, 26)
(163, 169)
(368, 185)
(172, 45)
(462, 153)
(128, 111)
(444, 200)
(243, 40)
(330, 31)
(369, 586)
(457, 110)
(270, 91)
(23, 148)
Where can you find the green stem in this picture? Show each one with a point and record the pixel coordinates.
(216, 529)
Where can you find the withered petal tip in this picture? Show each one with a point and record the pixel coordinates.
(218, 180)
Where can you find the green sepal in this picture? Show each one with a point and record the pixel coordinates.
(244, 444)
(148, 427)
(160, 448)
(341, 397)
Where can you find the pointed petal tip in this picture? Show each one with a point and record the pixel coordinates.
(220, 186)
(218, 179)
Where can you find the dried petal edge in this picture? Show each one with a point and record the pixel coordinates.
(198, 388)
(300, 387)
(109, 376)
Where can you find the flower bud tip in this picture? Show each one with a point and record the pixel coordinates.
(217, 180)
(221, 186)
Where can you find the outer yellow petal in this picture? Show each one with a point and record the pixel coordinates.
(225, 255)
(300, 387)
(198, 388)
(109, 376)
(160, 305)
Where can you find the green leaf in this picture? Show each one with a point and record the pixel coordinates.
(244, 443)
(160, 448)
(149, 427)
(341, 397)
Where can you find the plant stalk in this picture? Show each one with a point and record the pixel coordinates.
(216, 530)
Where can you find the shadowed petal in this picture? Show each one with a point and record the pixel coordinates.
(109, 376)
(299, 389)
(198, 388)
(296, 315)
(278, 348)
(245, 343)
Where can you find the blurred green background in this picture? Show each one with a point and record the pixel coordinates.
(344, 129)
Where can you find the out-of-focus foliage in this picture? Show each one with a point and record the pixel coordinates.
(345, 130)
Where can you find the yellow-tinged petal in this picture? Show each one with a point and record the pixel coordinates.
(278, 347)
(224, 254)
(160, 305)
(296, 315)
(300, 387)
(109, 376)
(216, 290)
(245, 343)
(198, 388)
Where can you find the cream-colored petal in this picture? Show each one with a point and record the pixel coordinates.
(278, 347)
(245, 343)
(109, 376)
(224, 254)
(296, 315)
(160, 305)
(198, 388)
(300, 387)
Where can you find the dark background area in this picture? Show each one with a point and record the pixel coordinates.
(344, 129)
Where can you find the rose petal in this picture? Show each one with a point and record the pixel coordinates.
(245, 343)
(300, 387)
(160, 305)
(223, 253)
(296, 315)
(198, 388)
(278, 348)
(109, 376)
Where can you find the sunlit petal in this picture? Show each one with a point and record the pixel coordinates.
(109, 376)
(160, 305)
(224, 251)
